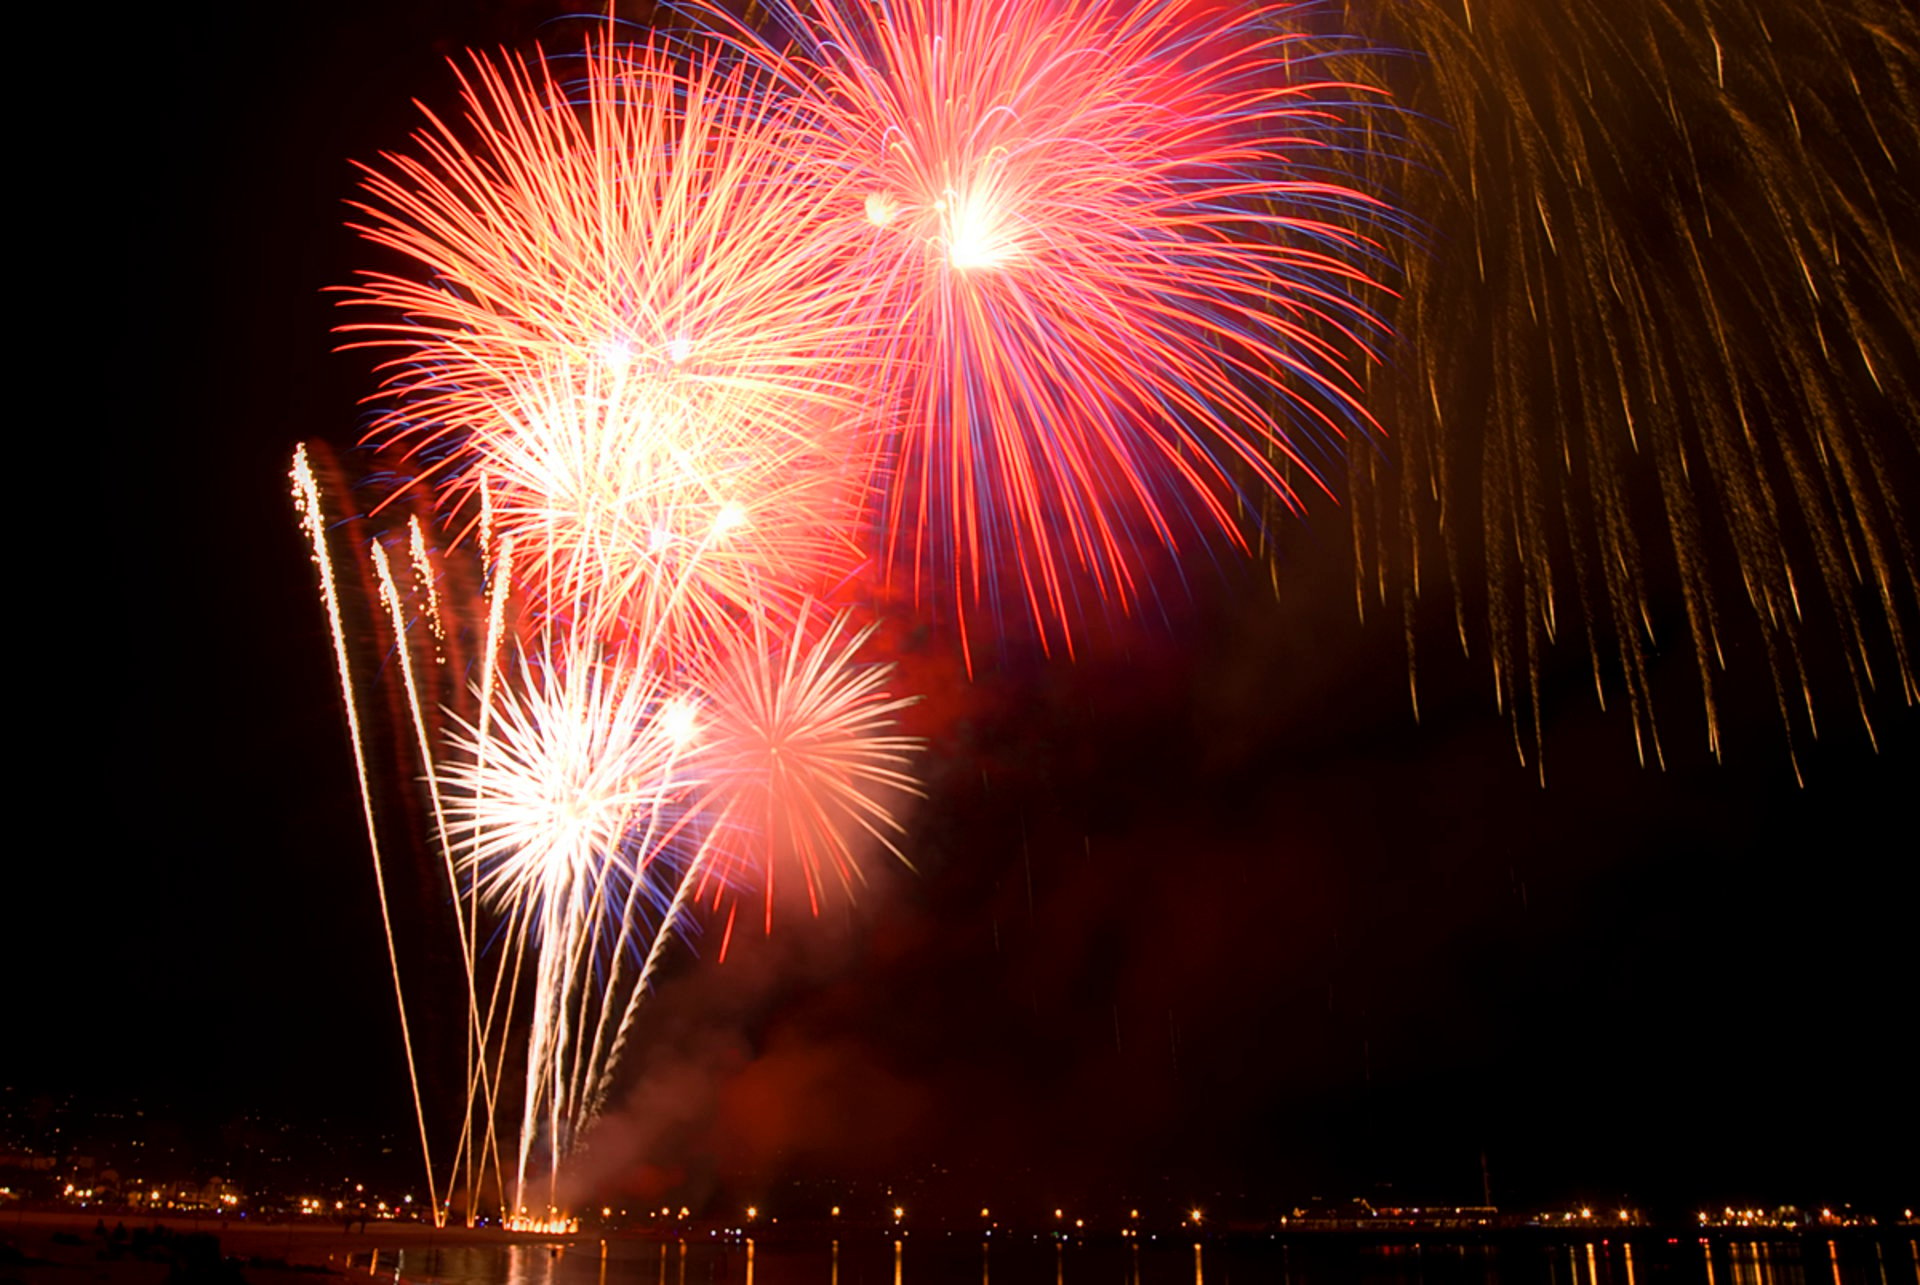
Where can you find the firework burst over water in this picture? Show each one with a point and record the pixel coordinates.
(704, 343)
(696, 337)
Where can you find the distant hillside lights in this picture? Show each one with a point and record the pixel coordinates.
(219, 1195)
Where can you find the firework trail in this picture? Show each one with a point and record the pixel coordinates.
(1663, 339)
(584, 802)
(1111, 266)
(307, 502)
(595, 808)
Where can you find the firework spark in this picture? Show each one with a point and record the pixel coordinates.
(801, 758)
(544, 806)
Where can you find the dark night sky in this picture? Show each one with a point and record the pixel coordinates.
(1210, 905)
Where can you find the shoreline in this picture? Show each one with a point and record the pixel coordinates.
(64, 1246)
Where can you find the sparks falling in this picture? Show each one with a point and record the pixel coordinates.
(1683, 227)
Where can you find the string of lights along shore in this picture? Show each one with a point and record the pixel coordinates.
(699, 342)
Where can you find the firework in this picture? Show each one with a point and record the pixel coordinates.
(634, 334)
(568, 813)
(546, 801)
(1057, 286)
(627, 371)
(307, 502)
(803, 746)
(583, 802)
(803, 765)
(1682, 227)
(1105, 240)
(662, 513)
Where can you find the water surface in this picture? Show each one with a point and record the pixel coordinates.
(879, 1258)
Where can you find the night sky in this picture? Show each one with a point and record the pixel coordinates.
(1207, 911)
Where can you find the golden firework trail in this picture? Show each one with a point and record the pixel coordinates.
(306, 499)
(1659, 353)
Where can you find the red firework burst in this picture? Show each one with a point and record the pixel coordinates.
(636, 332)
(1105, 238)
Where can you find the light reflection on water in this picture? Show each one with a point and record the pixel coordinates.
(952, 1261)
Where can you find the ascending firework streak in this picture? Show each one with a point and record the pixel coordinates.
(584, 807)
(306, 499)
(986, 292)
